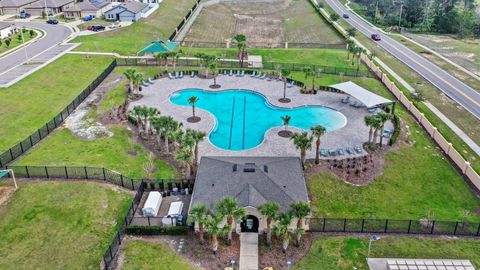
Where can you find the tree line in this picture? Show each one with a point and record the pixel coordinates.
(461, 17)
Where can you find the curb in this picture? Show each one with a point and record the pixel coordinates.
(40, 34)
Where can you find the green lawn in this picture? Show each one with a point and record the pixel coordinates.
(147, 255)
(62, 148)
(15, 41)
(35, 100)
(129, 40)
(344, 252)
(59, 225)
(326, 57)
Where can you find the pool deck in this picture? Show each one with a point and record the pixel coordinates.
(354, 133)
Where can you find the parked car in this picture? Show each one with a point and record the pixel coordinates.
(24, 14)
(346, 16)
(114, 26)
(88, 18)
(376, 37)
(96, 28)
(52, 21)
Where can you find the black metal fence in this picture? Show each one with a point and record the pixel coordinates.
(250, 44)
(117, 239)
(184, 20)
(20, 148)
(434, 227)
(166, 186)
(194, 62)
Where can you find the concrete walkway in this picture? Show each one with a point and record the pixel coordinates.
(248, 251)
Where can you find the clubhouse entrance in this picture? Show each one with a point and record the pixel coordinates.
(249, 224)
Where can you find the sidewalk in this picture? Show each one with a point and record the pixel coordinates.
(248, 251)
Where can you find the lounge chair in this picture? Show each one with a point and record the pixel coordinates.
(181, 74)
(259, 75)
(340, 151)
(346, 100)
(289, 85)
(358, 149)
(231, 73)
(238, 73)
(177, 74)
(263, 76)
(242, 73)
(332, 153)
(350, 150)
(323, 152)
(192, 75)
(269, 78)
(253, 74)
(170, 76)
(144, 83)
(150, 81)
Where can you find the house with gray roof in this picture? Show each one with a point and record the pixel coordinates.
(127, 12)
(53, 7)
(5, 30)
(87, 8)
(252, 181)
(14, 6)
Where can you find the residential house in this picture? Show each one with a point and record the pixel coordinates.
(87, 8)
(126, 12)
(252, 181)
(14, 6)
(53, 7)
(5, 30)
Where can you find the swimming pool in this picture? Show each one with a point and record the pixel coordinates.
(244, 116)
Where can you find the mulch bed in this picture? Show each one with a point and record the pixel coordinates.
(273, 256)
(285, 133)
(194, 119)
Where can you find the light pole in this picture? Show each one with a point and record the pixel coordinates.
(46, 12)
(373, 238)
(400, 16)
(289, 263)
(23, 42)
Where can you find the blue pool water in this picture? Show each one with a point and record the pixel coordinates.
(244, 116)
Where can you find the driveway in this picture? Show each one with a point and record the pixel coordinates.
(463, 94)
(14, 66)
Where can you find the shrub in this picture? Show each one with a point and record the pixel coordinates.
(156, 230)
(396, 129)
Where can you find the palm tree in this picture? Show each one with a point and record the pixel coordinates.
(212, 224)
(376, 124)
(281, 229)
(313, 73)
(269, 210)
(170, 127)
(130, 74)
(159, 123)
(192, 100)
(300, 211)
(184, 157)
(213, 67)
(176, 134)
(306, 70)
(284, 73)
(384, 117)
(369, 119)
(197, 137)
(286, 120)
(159, 57)
(150, 113)
(141, 114)
(199, 214)
(241, 46)
(351, 32)
(228, 207)
(350, 44)
(318, 131)
(137, 81)
(302, 142)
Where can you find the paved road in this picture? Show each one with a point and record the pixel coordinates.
(466, 96)
(55, 34)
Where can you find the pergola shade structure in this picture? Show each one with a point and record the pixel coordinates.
(369, 99)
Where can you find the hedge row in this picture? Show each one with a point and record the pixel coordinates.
(156, 230)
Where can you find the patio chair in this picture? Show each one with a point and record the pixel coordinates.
(372, 110)
(346, 100)
(177, 75)
(150, 81)
(263, 76)
(144, 83)
(224, 72)
(289, 85)
(170, 76)
(254, 73)
(340, 151)
(231, 73)
(358, 149)
(192, 75)
(181, 74)
(269, 78)
(259, 75)
(242, 73)
(350, 150)
(238, 73)
(332, 152)
(323, 152)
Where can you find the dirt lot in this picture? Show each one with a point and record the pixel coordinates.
(264, 24)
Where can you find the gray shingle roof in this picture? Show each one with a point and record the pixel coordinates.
(87, 6)
(278, 179)
(50, 3)
(134, 7)
(15, 3)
